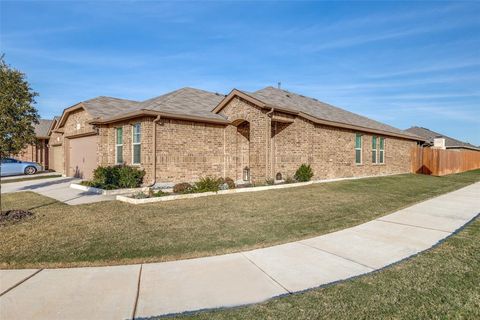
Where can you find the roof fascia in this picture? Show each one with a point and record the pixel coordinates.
(237, 93)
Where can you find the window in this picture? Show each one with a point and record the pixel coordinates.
(136, 137)
(119, 145)
(374, 149)
(382, 150)
(358, 148)
(9, 160)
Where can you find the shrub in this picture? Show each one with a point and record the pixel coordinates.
(140, 195)
(116, 177)
(183, 187)
(130, 177)
(289, 179)
(208, 184)
(230, 182)
(270, 182)
(304, 173)
(105, 175)
(160, 193)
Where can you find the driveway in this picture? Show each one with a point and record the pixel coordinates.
(158, 289)
(56, 188)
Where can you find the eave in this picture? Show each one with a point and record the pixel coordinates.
(153, 113)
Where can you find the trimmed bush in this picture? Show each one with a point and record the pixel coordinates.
(160, 193)
(116, 177)
(288, 180)
(208, 184)
(130, 177)
(304, 173)
(140, 195)
(183, 187)
(230, 182)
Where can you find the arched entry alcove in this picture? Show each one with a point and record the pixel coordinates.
(242, 150)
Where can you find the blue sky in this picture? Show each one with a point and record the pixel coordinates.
(401, 63)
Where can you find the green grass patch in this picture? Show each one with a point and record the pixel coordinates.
(116, 232)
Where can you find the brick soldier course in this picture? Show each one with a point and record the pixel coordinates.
(267, 134)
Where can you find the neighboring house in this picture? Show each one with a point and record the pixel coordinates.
(437, 140)
(38, 152)
(55, 146)
(251, 137)
(74, 141)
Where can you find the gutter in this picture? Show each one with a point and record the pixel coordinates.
(269, 151)
(154, 135)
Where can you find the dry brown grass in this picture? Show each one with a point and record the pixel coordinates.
(117, 233)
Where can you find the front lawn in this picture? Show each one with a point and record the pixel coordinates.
(442, 283)
(117, 233)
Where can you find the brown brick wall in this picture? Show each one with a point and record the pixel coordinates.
(239, 110)
(331, 151)
(187, 150)
(56, 138)
(106, 145)
(35, 153)
(77, 123)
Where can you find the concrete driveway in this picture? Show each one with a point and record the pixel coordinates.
(56, 188)
(153, 289)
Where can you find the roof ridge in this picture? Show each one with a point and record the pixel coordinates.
(320, 109)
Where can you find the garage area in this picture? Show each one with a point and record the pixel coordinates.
(82, 157)
(56, 159)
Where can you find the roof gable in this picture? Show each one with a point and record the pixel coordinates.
(101, 107)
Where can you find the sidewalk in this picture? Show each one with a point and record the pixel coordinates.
(26, 177)
(123, 292)
(56, 188)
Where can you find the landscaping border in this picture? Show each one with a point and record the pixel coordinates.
(125, 198)
(107, 192)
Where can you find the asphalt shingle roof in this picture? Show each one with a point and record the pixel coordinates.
(186, 101)
(105, 107)
(41, 129)
(429, 135)
(200, 103)
(310, 106)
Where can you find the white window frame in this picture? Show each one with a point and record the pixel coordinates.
(118, 145)
(374, 149)
(381, 150)
(361, 146)
(139, 143)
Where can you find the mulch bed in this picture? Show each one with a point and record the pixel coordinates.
(14, 215)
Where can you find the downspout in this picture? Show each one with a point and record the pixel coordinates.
(267, 151)
(154, 135)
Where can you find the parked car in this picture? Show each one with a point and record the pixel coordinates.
(10, 166)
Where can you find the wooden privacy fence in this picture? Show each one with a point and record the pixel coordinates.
(439, 162)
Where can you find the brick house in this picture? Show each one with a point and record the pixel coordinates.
(190, 133)
(440, 141)
(39, 151)
(74, 141)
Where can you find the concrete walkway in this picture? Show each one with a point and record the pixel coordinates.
(123, 292)
(26, 177)
(56, 188)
